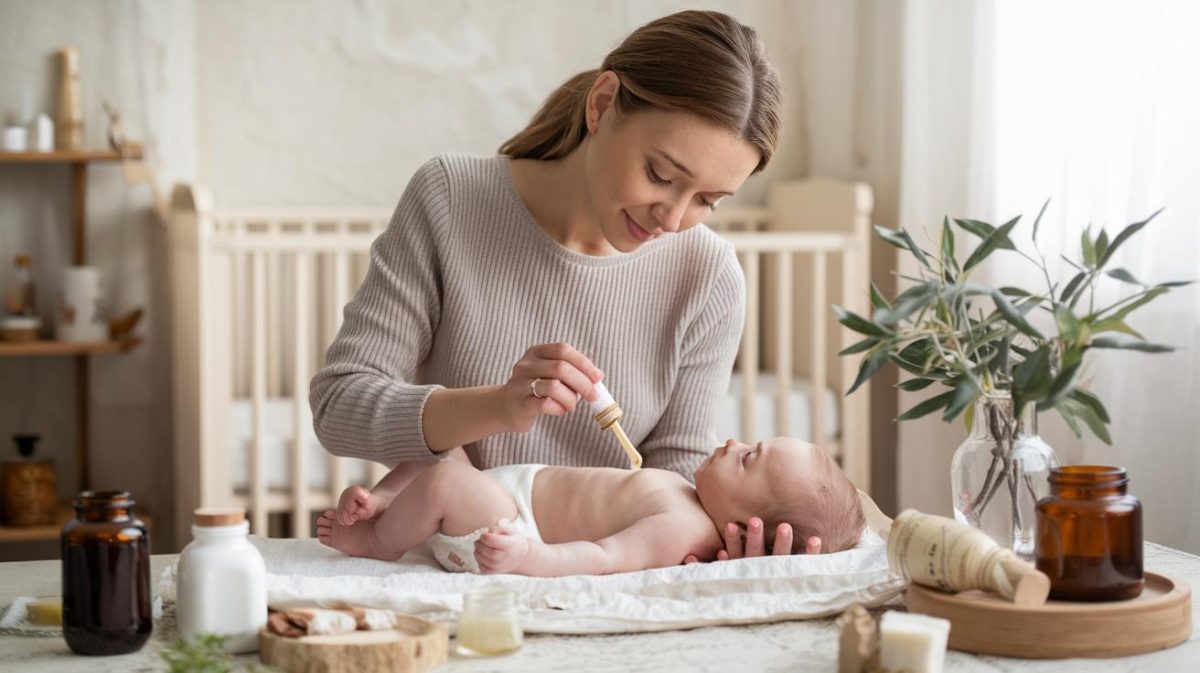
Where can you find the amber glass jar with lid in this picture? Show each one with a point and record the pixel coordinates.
(106, 576)
(1089, 535)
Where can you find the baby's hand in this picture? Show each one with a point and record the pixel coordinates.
(356, 504)
(501, 549)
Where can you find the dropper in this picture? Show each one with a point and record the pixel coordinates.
(608, 416)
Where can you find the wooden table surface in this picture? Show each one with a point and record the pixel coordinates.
(788, 646)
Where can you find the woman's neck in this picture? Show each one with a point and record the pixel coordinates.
(555, 193)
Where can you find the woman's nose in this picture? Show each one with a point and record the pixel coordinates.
(669, 216)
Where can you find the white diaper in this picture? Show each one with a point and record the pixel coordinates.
(457, 554)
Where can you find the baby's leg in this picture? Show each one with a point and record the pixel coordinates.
(451, 497)
(358, 504)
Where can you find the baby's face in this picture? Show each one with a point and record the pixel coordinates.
(738, 480)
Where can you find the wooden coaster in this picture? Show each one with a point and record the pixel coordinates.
(414, 645)
(987, 624)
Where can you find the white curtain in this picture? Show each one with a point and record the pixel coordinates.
(1096, 105)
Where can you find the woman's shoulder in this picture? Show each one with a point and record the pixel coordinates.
(468, 170)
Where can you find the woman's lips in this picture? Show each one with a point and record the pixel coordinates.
(635, 230)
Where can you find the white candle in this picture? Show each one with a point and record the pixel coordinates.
(913, 642)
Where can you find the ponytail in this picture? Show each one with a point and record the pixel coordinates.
(559, 126)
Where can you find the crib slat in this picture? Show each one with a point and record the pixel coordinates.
(302, 414)
(258, 377)
(856, 454)
(820, 309)
(274, 306)
(749, 357)
(783, 343)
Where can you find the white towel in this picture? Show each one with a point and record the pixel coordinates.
(767, 589)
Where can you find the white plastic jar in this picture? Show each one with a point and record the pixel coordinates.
(222, 581)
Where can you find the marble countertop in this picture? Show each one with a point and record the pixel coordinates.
(788, 646)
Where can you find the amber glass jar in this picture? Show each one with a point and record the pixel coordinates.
(1089, 535)
(106, 576)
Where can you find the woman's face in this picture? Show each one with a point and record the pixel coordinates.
(652, 173)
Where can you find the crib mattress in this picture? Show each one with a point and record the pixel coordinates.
(279, 422)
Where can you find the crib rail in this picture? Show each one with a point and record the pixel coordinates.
(241, 275)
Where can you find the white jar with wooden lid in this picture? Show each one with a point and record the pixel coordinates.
(222, 581)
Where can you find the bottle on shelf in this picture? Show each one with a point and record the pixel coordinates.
(69, 115)
(19, 300)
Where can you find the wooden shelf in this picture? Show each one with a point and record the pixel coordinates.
(56, 157)
(65, 513)
(46, 348)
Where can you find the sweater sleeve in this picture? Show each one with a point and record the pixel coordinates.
(686, 432)
(364, 401)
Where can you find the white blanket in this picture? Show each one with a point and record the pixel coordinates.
(768, 589)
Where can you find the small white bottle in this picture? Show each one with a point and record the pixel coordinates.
(222, 581)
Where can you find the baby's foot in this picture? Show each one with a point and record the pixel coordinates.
(356, 504)
(355, 540)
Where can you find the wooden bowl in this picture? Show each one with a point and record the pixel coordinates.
(414, 645)
(987, 624)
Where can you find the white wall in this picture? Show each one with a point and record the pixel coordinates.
(337, 103)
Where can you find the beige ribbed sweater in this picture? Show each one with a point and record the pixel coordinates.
(464, 281)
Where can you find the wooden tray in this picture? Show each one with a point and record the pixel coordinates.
(414, 645)
(986, 624)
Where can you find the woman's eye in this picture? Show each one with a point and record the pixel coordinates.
(654, 177)
(711, 205)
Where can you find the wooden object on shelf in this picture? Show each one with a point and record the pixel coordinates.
(29, 493)
(984, 623)
(62, 514)
(414, 645)
(62, 157)
(46, 347)
(68, 117)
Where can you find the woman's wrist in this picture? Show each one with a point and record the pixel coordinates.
(458, 416)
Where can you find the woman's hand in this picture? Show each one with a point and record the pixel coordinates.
(755, 544)
(548, 380)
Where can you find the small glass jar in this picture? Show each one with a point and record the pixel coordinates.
(489, 624)
(105, 576)
(1089, 535)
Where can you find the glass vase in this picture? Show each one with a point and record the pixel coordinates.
(1000, 472)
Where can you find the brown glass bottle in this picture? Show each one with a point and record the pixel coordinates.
(1089, 535)
(106, 576)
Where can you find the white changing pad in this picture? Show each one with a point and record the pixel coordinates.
(746, 591)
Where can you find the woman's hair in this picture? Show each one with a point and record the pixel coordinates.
(702, 63)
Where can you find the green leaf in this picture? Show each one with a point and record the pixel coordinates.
(1090, 400)
(997, 239)
(1061, 387)
(913, 385)
(1091, 419)
(859, 324)
(877, 298)
(1072, 263)
(980, 229)
(906, 304)
(1064, 411)
(927, 407)
(1124, 275)
(864, 345)
(965, 393)
(1101, 248)
(1033, 369)
(1068, 324)
(1125, 234)
(948, 260)
(1013, 317)
(1175, 283)
(1116, 326)
(870, 365)
(1010, 291)
(1089, 248)
(1128, 344)
(1071, 286)
(1038, 220)
(902, 240)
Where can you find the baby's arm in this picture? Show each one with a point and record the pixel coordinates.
(656, 541)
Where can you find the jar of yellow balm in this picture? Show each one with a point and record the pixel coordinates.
(489, 624)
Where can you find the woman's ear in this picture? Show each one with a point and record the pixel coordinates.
(601, 98)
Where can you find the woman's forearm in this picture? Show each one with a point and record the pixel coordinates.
(458, 416)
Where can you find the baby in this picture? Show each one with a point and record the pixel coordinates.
(551, 521)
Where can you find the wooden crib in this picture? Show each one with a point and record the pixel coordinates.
(258, 295)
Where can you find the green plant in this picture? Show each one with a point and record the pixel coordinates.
(203, 654)
(937, 331)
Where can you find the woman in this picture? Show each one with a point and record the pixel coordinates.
(506, 287)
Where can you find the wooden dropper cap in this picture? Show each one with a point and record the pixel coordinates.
(208, 517)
